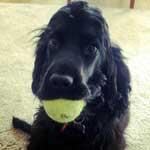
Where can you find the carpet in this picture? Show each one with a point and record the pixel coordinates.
(129, 28)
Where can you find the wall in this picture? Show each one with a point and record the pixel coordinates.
(121, 3)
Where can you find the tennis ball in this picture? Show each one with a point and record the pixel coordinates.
(63, 110)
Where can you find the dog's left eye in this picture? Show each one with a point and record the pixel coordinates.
(90, 51)
(53, 43)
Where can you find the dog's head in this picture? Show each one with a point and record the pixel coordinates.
(70, 54)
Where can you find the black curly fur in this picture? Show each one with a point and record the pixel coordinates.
(102, 123)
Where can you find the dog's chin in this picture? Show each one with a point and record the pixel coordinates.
(74, 93)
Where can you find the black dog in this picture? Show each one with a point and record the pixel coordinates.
(75, 59)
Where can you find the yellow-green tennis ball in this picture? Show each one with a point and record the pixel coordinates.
(63, 110)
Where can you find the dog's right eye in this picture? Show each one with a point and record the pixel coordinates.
(53, 43)
(90, 51)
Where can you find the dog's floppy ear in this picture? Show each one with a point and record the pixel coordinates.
(117, 87)
(118, 81)
(40, 56)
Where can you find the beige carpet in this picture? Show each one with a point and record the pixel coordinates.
(130, 28)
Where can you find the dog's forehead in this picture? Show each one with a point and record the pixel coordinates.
(81, 23)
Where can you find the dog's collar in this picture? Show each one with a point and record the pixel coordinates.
(65, 125)
(78, 124)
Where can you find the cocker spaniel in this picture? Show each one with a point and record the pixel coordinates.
(75, 59)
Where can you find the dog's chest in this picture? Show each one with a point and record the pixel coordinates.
(71, 134)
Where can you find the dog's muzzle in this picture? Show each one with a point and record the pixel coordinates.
(63, 80)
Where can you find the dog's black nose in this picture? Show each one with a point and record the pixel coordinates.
(61, 81)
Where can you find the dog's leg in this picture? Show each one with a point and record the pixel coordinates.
(118, 128)
(21, 125)
(38, 138)
(38, 134)
(43, 135)
(111, 135)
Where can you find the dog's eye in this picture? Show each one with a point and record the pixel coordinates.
(53, 43)
(90, 51)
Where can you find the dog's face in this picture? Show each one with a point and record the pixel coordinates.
(70, 53)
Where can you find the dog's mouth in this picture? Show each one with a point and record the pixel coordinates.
(56, 85)
(74, 92)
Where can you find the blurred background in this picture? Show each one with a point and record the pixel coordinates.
(104, 3)
(130, 28)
